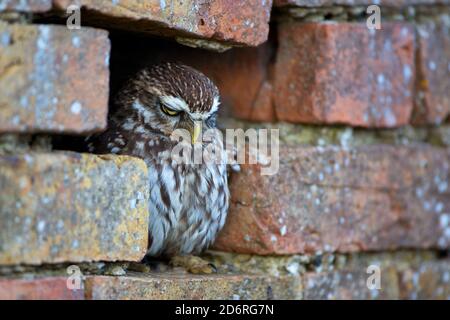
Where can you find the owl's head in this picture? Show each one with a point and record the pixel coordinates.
(171, 96)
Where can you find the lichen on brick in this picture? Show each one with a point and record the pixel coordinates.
(72, 207)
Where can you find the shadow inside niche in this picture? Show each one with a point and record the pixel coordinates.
(238, 72)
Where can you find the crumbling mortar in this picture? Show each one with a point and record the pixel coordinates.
(317, 262)
(358, 13)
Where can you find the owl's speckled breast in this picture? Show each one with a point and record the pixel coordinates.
(188, 206)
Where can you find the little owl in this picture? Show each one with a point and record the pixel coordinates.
(188, 201)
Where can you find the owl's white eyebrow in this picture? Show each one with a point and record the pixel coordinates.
(215, 105)
(179, 104)
(200, 115)
(175, 103)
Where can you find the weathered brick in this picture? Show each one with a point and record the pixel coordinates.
(348, 74)
(47, 288)
(375, 197)
(387, 3)
(430, 280)
(53, 79)
(236, 22)
(25, 5)
(66, 206)
(349, 285)
(432, 98)
(182, 286)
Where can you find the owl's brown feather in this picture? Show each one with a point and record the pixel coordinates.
(188, 202)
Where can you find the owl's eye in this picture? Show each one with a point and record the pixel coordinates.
(169, 111)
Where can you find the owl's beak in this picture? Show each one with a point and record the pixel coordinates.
(196, 131)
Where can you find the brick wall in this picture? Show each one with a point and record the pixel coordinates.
(363, 117)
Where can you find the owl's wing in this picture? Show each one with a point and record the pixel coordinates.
(112, 140)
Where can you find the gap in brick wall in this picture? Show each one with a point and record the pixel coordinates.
(131, 52)
(357, 13)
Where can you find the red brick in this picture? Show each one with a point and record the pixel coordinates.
(375, 197)
(50, 288)
(53, 79)
(64, 206)
(191, 287)
(432, 100)
(232, 21)
(26, 5)
(329, 73)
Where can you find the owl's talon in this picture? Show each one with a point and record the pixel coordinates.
(193, 264)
